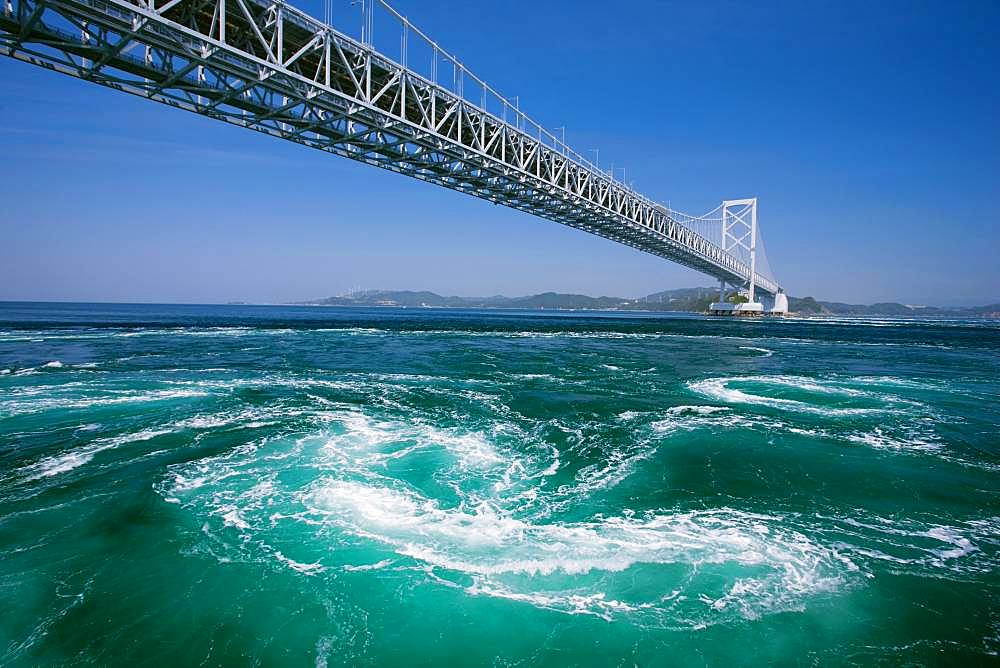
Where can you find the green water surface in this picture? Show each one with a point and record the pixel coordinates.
(316, 486)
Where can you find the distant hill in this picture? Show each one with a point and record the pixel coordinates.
(694, 300)
(809, 306)
(408, 298)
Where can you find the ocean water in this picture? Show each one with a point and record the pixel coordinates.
(232, 485)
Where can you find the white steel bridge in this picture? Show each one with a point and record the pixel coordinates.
(403, 104)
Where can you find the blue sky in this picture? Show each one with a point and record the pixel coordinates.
(869, 132)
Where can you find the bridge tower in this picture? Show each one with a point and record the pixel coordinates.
(739, 233)
(739, 237)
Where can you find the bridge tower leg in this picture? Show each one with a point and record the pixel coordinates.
(753, 246)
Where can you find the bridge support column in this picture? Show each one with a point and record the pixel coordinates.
(753, 247)
(780, 303)
(722, 291)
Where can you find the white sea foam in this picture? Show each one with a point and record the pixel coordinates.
(535, 334)
(880, 439)
(241, 419)
(368, 567)
(767, 353)
(687, 420)
(232, 518)
(959, 544)
(610, 471)
(206, 422)
(350, 330)
(947, 550)
(720, 389)
(37, 405)
(306, 569)
(534, 376)
(895, 382)
(596, 604)
(324, 646)
(57, 464)
(206, 331)
(900, 439)
(697, 410)
(483, 542)
(362, 433)
(909, 436)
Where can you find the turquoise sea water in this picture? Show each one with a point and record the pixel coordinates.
(186, 485)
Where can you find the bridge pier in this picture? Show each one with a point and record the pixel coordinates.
(768, 305)
(745, 309)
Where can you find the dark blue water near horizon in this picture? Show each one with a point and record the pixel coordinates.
(232, 485)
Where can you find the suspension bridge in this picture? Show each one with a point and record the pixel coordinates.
(402, 103)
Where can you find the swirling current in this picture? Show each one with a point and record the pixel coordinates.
(233, 485)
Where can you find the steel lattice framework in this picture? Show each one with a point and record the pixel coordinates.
(267, 66)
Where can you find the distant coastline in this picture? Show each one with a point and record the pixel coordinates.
(687, 300)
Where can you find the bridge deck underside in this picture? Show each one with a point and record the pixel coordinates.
(268, 67)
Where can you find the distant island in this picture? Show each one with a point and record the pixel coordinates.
(693, 300)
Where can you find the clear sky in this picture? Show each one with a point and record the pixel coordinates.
(870, 131)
